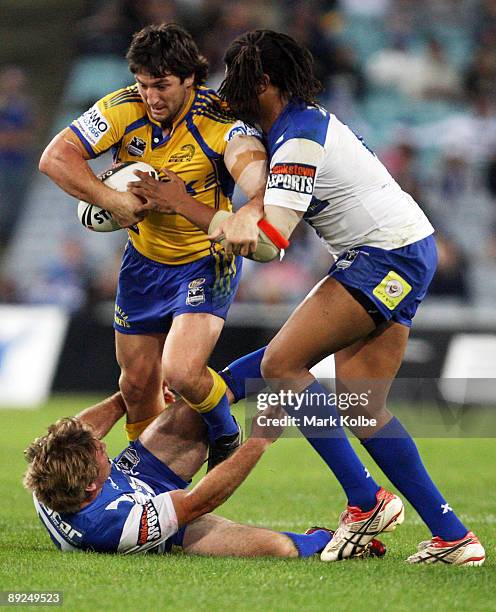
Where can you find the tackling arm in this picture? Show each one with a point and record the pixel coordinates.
(219, 484)
(272, 231)
(247, 164)
(103, 416)
(246, 160)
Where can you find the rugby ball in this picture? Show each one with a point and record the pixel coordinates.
(97, 219)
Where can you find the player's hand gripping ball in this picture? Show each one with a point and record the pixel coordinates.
(98, 219)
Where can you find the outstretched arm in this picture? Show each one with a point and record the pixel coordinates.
(220, 483)
(103, 416)
(272, 232)
(245, 159)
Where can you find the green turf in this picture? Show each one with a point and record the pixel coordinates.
(289, 490)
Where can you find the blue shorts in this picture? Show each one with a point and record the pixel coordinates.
(138, 461)
(393, 282)
(150, 294)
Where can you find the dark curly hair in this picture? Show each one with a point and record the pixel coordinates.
(166, 49)
(253, 54)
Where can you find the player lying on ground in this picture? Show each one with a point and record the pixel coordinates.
(362, 311)
(138, 502)
(175, 287)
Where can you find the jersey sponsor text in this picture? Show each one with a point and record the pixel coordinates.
(293, 177)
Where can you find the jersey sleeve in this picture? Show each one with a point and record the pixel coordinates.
(129, 527)
(293, 170)
(240, 128)
(100, 127)
(148, 524)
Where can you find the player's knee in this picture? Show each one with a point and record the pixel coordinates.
(134, 386)
(182, 378)
(284, 547)
(273, 366)
(279, 365)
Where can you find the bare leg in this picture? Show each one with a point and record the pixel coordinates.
(187, 349)
(217, 536)
(189, 344)
(372, 363)
(178, 438)
(140, 357)
(328, 320)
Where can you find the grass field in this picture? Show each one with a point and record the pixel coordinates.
(289, 490)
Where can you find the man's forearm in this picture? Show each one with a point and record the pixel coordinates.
(64, 163)
(219, 484)
(196, 212)
(103, 416)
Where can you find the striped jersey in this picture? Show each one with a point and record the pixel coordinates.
(194, 149)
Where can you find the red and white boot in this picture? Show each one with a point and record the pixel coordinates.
(356, 528)
(466, 551)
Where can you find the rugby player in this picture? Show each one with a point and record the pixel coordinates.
(175, 286)
(138, 502)
(385, 257)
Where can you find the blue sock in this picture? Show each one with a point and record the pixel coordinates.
(219, 420)
(246, 367)
(395, 452)
(309, 544)
(336, 451)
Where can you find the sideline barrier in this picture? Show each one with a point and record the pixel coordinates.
(31, 339)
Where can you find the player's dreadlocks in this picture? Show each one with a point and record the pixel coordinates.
(166, 49)
(259, 52)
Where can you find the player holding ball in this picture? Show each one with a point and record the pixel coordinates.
(175, 286)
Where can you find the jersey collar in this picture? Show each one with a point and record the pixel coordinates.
(157, 136)
(275, 135)
(278, 127)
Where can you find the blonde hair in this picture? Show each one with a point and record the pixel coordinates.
(62, 464)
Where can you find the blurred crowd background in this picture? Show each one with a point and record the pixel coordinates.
(415, 78)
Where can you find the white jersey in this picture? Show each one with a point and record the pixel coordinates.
(319, 166)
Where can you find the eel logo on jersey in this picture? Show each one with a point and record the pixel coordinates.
(185, 154)
(149, 529)
(392, 290)
(198, 282)
(292, 177)
(128, 461)
(93, 125)
(136, 147)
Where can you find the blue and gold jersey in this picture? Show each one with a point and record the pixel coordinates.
(194, 150)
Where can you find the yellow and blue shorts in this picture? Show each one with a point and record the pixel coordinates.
(390, 285)
(150, 294)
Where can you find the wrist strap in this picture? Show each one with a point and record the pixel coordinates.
(273, 234)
